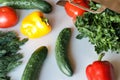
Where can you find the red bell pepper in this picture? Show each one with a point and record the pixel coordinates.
(73, 10)
(100, 70)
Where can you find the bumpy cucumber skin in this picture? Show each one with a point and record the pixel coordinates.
(61, 51)
(44, 6)
(34, 64)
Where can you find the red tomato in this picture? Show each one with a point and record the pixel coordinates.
(73, 10)
(8, 17)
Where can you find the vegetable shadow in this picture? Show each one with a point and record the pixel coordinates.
(116, 65)
(71, 59)
(70, 55)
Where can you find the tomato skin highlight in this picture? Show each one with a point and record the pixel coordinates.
(8, 17)
(74, 11)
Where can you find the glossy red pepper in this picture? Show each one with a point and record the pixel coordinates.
(100, 70)
(73, 10)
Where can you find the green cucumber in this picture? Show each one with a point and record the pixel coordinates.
(61, 48)
(44, 6)
(34, 64)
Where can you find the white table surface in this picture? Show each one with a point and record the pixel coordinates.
(81, 52)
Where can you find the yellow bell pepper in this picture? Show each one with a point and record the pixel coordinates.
(35, 25)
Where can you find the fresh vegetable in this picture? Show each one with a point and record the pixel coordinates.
(73, 10)
(100, 70)
(35, 63)
(35, 25)
(102, 30)
(61, 50)
(10, 44)
(8, 17)
(42, 5)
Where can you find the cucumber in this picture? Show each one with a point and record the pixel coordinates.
(61, 48)
(34, 64)
(44, 6)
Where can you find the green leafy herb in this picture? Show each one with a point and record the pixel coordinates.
(9, 57)
(103, 30)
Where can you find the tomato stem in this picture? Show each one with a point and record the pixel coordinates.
(101, 56)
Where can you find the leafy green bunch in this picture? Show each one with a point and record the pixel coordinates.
(9, 57)
(103, 30)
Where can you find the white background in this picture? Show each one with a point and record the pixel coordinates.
(81, 52)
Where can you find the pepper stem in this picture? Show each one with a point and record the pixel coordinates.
(45, 20)
(101, 56)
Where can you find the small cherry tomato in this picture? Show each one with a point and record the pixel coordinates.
(8, 17)
(74, 11)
